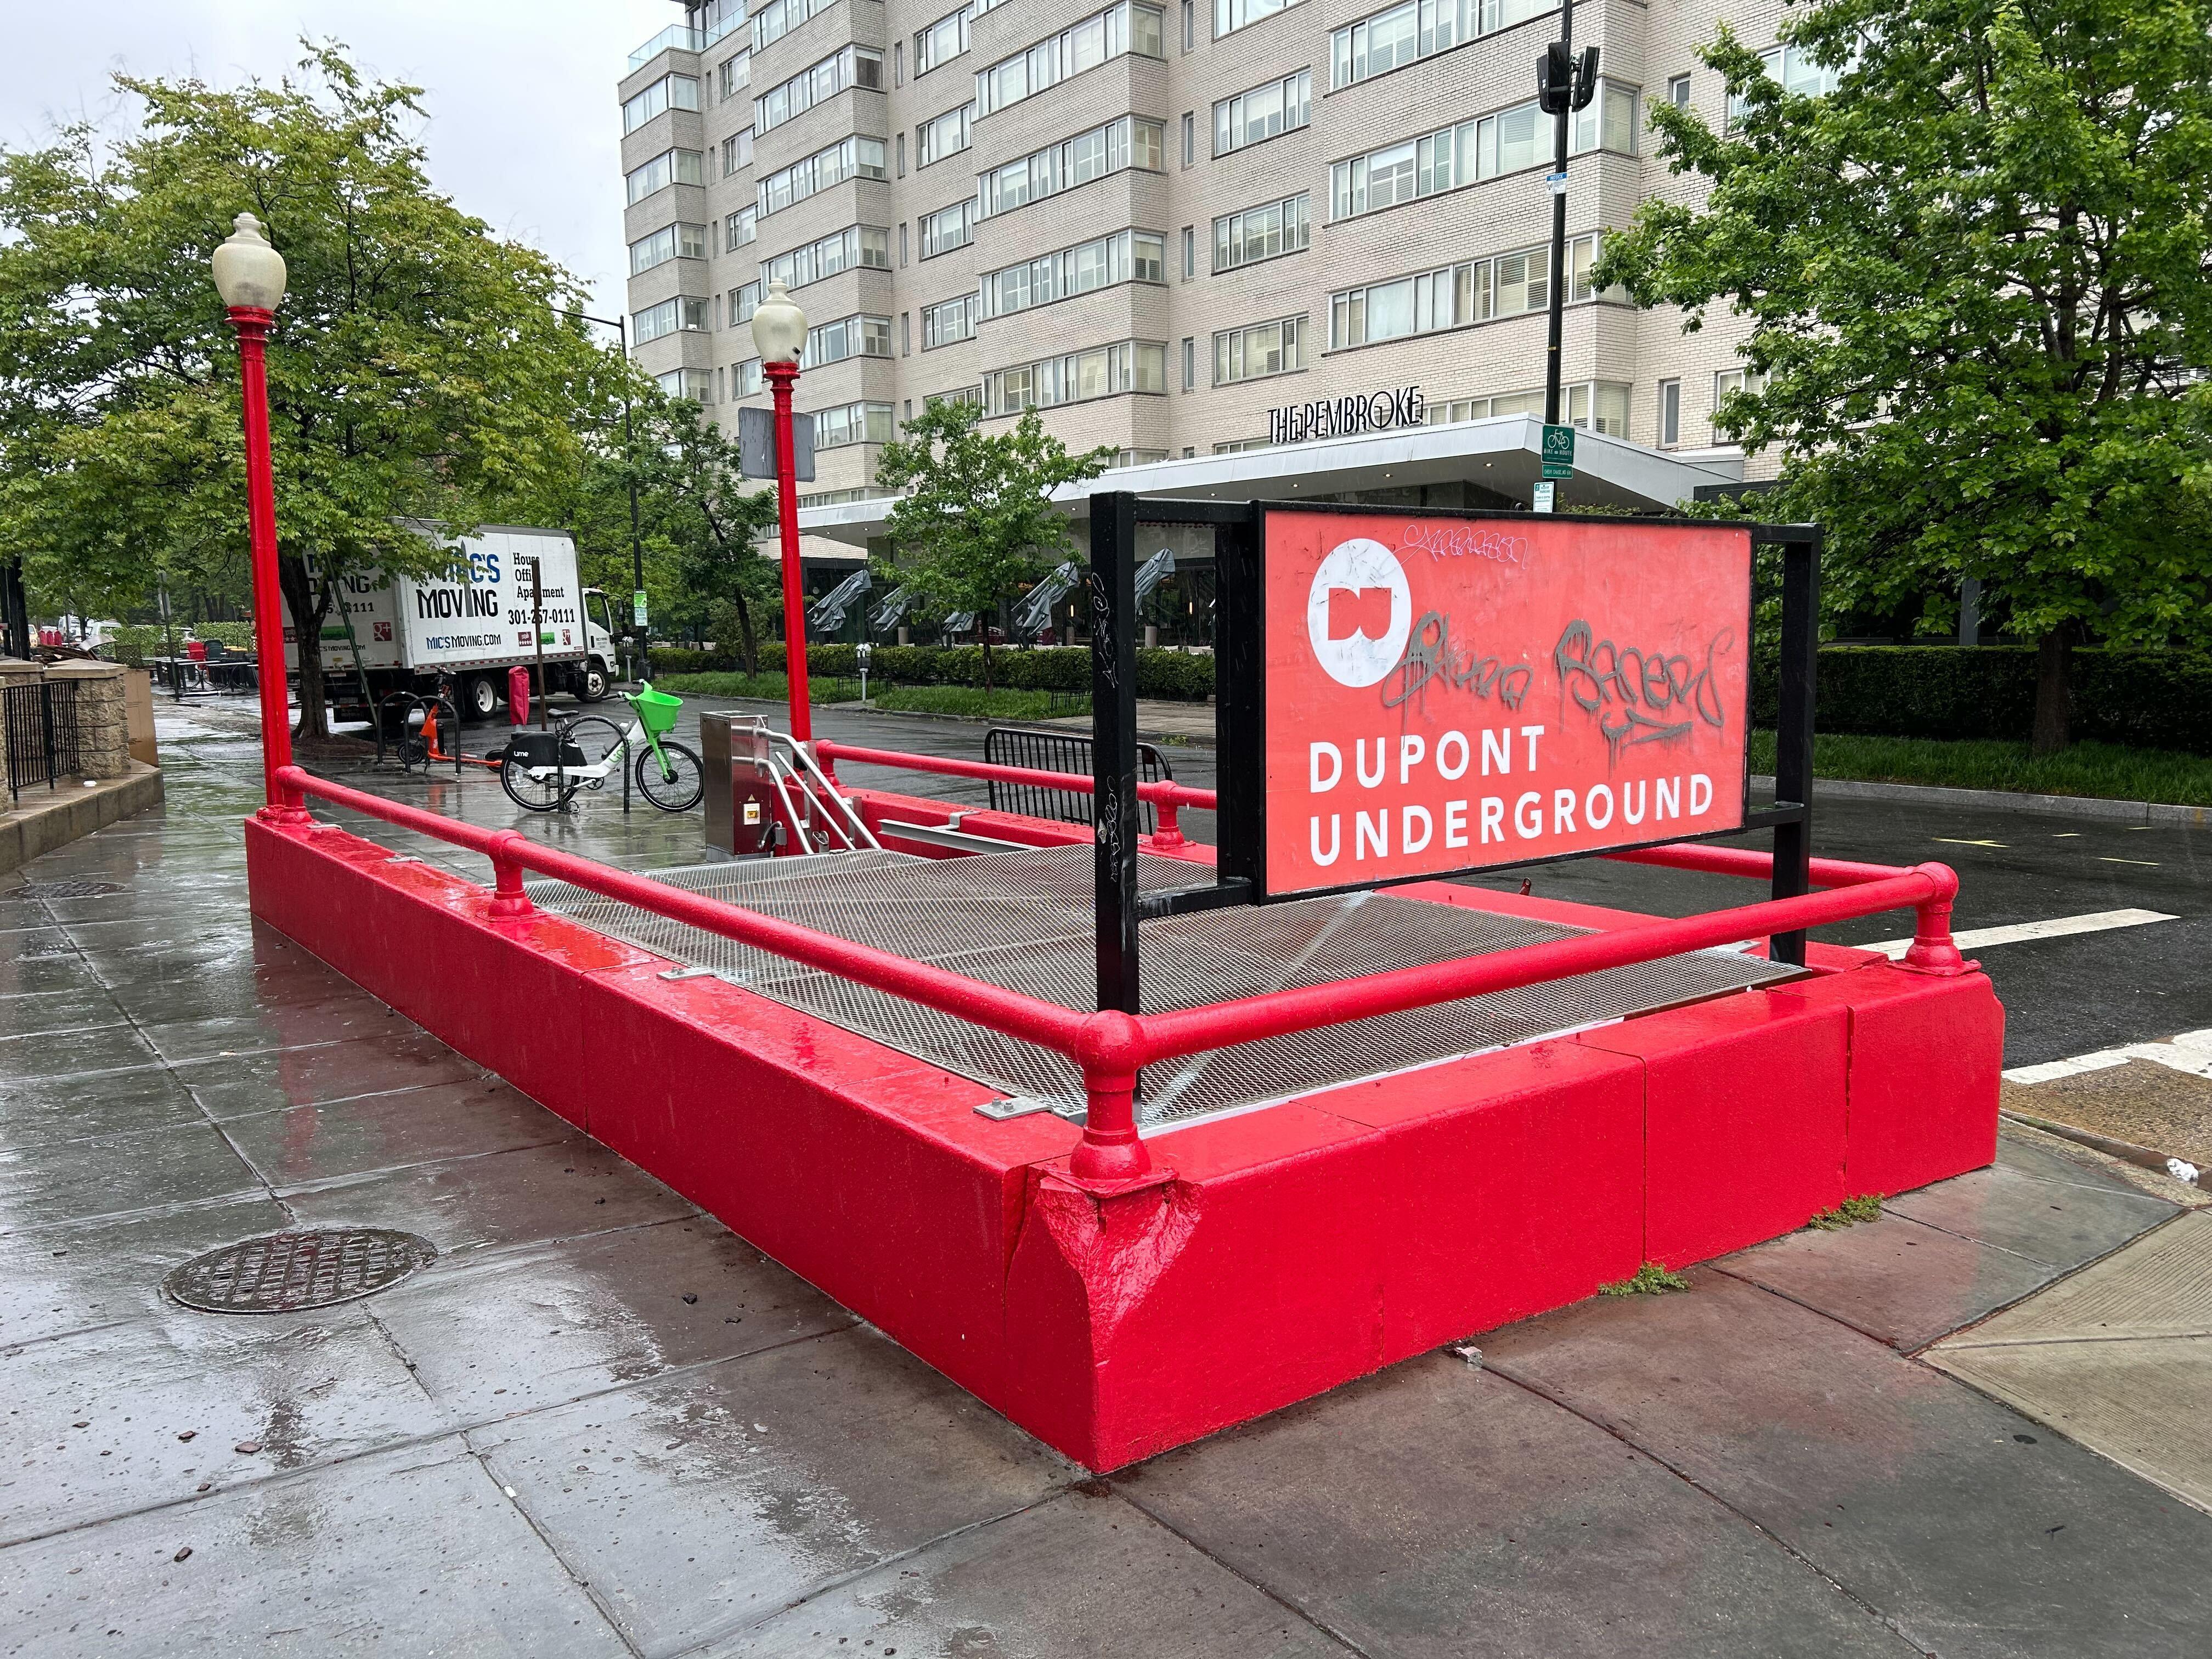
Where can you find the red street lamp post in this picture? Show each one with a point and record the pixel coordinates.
(780, 334)
(249, 274)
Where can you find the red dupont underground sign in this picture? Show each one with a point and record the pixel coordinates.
(1446, 694)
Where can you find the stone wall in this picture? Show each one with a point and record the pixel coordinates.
(102, 724)
(103, 737)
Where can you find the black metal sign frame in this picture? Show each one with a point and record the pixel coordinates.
(1239, 675)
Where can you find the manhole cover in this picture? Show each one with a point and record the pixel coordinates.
(284, 1273)
(58, 889)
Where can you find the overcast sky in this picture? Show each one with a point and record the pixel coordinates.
(524, 129)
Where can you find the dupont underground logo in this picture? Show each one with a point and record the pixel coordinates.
(1359, 613)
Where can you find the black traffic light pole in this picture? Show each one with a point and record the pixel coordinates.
(1563, 86)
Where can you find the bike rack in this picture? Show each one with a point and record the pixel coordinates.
(838, 814)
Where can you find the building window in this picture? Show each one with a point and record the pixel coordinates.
(1238, 446)
(737, 74)
(1128, 143)
(1189, 362)
(745, 378)
(1597, 406)
(740, 229)
(693, 383)
(669, 242)
(779, 17)
(948, 322)
(1125, 256)
(852, 423)
(1262, 232)
(1189, 252)
(1416, 29)
(940, 43)
(1127, 27)
(848, 158)
(943, 135)
(1670, 414)
(964, 394)
(1793, 66)
(1507, 141)
(1726, 384)
(854, 247)
(1255, 353)
(948, 228)
(1609, 122)
(670, 167)
(848, 67)
(849, 337)
(682, 315)
(670, 92)
(1279, 107)
(737, 151)
(1678, 92)
(1104, 371)
(1189, 25)
(743, 301)
(1453, 296)
(1189, 137)
(1230, 15)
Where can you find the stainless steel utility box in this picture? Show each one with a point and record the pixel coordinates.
(740, 799)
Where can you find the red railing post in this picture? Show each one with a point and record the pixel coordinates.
(1170, 833)
(1109, 1051)
(1933, 950)
(507, 898)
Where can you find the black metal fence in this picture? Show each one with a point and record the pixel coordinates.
(41, 716)
(1058, 751)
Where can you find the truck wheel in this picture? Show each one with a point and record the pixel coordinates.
(480, 697)
(592, 684)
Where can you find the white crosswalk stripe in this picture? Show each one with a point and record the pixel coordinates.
(1978, 938)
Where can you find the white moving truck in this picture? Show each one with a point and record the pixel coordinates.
(473, 622)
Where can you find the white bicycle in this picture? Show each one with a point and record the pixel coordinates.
(544, 770)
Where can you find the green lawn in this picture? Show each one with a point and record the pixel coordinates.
(1000, 704)
(2083, 768)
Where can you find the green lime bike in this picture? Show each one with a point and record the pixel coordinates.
(544, 770)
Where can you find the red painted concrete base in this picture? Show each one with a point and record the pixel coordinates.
(1293, 1249)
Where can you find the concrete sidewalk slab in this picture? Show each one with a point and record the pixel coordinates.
(1440, 1509)
(414, 1552)
(1902, 1283)
(1979, 1538)
(2119, 1357)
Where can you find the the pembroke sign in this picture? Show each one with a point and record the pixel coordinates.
(1343, 417)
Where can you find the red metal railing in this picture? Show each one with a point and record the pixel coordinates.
(1109, 1048)
(1168, 798)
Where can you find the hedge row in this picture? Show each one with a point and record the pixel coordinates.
(1171, 675)
(2148, 699)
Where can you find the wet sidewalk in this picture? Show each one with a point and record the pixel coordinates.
(599, 1424)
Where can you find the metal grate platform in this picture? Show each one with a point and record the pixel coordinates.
(1023, 919)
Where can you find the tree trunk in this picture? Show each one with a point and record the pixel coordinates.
(2054, 656)
(745, 633)
(302, 600)
(985, 631)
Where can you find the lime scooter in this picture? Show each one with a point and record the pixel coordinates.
(544, 770)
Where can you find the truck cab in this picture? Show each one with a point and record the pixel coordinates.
(595, 675)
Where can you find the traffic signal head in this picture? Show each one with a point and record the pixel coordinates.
(1586, 78)
(1555, 79)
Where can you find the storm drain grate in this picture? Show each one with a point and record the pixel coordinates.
(287, 1273)
(62, 890)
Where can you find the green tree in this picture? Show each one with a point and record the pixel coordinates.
(418, 368)
(1976, 273)
(699, 525)
(977, 520)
